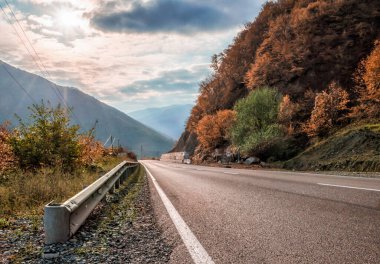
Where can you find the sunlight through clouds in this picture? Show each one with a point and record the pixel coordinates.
(110, 48)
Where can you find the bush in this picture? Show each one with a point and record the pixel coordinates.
(90, 150)
(48, 141)
(256, 124)
(330, 108)
(213, 130)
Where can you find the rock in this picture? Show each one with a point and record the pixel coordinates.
(50, 255)
(252, 160)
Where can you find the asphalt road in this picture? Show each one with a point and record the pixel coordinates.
(258, 216)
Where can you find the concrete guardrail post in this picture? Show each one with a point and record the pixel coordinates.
(56, 223)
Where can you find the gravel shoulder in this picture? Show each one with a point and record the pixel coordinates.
(122, 229)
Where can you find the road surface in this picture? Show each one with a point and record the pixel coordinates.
(258, 216)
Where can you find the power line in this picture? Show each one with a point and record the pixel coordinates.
(55, 89)
(31, 45)
(19, 84)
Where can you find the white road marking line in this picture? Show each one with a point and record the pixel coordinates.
(196, 250)
(234, 173)
(349, 187)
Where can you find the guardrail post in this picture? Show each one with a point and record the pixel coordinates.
(117, 184)
(56, 223)
(112, 189)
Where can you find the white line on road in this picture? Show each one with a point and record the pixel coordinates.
(233, 173)
(196, 250)
(350, 187)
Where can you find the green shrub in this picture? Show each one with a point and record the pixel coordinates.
(256, 125)
(47, 140)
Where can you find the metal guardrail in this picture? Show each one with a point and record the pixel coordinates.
(61, 221)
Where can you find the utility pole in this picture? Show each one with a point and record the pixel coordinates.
(112, 144)
(141, 152)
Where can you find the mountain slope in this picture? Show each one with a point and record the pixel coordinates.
(299, 47)
(87, 109)
(169, 120)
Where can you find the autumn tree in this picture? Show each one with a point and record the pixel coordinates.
(91, 150)
(287, 113)
(256, 120)
(330, 108)
(367, 80)
(213, 130)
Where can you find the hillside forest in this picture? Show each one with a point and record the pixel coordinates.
(303, 76)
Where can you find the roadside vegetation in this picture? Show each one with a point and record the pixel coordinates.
(46, 158)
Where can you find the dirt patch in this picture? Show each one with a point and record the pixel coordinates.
(353, 149)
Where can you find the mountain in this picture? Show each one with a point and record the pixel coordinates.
(169, 120)
(86, 110)
(298, 47)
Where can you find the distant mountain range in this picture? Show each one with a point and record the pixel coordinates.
(130, 133)
(168, 120)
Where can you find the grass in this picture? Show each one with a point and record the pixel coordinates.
(26, 193)
(124, 209)
(4, 223)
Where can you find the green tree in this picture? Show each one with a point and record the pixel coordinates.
(47, 139)
(256, 120)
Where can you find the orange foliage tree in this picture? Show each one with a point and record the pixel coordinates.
(367, 79)
(213, 130)
(287, 113)
(7, 158)
(330, 108)
(91, 150)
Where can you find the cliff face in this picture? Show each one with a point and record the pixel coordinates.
(296, 46)
(187, 142)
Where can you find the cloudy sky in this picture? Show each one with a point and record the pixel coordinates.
(130, 54)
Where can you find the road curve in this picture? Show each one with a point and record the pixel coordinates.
(259, 216)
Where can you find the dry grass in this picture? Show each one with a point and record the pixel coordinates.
(26, 193)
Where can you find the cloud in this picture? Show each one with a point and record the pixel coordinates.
(167, 16)
(157, 65)
(178, 80)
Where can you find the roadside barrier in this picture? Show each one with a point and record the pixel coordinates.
(61, 221)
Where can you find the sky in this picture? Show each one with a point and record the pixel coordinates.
(132, 54)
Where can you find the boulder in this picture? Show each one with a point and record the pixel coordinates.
(252, 160)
